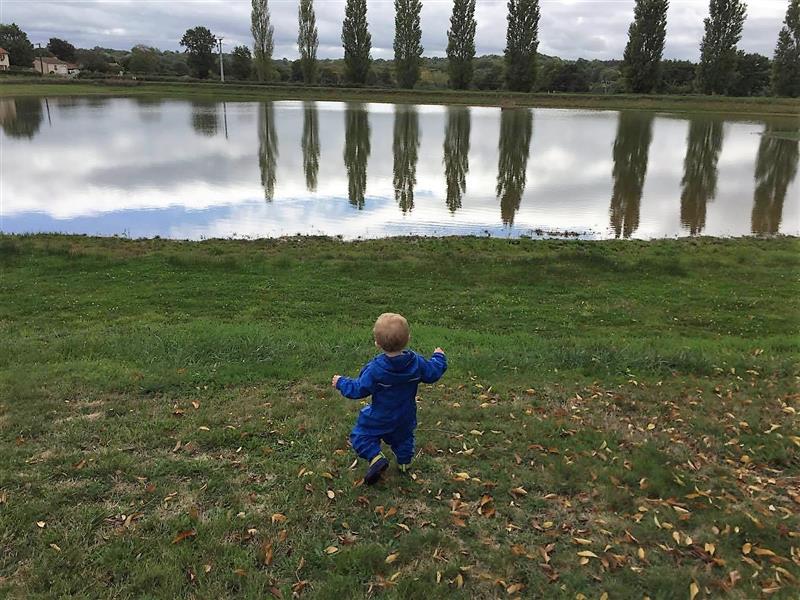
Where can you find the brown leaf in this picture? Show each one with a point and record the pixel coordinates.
(331, 550)
(391, 558)
(694, 589)
(519, 491)
(330, 494)
(278, 518)
(276, 593)
(587, 554)
(189, 533)
(514, 588)
(240, 572)
(266, 553)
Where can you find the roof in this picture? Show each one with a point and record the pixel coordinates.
(3, 51)
(49, 61)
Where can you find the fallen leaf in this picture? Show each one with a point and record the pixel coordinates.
(514, 588)
(587, 554)
(694, 589)
(189, 533)
(266, 553)
(240, 572)
(196, 404)
(206, 568)
(519, 491)
(746, 548)
(41, 524)
(391, 558)
(278, 518)
(331, 550)
(203, 428)
(330, 494)
(55, 547)
(582, 541)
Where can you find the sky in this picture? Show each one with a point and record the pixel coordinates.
(591, 29)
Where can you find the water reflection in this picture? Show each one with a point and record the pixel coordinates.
(145, 167)
(205, 118)
(699, 183)
(405, 151)
(516, 129)
(356, 152)
(21, 118)
(630, 155)
(456, 155)
(267, 149)
(310, 145)
(776, 168)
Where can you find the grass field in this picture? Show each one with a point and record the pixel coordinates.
(239, 91)
(619, 419)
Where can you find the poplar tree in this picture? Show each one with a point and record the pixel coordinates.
(723, 30)
(263, 43)
(307, 40)
(407, 41)
(641, 67)
(461, 43)
(786, 63)
(522, 41)
(357, 41)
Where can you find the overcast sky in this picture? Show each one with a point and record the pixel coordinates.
(568, 28)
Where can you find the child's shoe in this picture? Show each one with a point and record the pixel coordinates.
(376, 466)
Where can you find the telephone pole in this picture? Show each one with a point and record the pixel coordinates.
(221, 63)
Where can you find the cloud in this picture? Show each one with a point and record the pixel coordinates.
(568, 28)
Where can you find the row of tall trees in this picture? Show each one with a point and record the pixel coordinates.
(642, 61)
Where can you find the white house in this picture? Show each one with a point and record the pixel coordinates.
(5, 61)
(53, 66)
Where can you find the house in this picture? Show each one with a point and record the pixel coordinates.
(5, 61)
(51, 66)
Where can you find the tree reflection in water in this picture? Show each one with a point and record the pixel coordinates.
(699, 183)
(631, 150)
(205, 118)
(267, 149)
(310, 144)
(516, 130)
(406, 151)
(776, 168)
(21, 117)
(456, 155)
(356, 151)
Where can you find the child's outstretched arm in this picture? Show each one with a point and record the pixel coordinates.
(432, 370)
(354, 389)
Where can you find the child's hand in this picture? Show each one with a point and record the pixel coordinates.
(439, 350)
(335, 380)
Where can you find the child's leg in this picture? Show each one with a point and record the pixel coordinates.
(402, 443)
(366, 446)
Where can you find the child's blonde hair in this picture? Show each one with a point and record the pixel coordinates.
(391, 332)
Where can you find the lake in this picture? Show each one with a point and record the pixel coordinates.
(195, 170)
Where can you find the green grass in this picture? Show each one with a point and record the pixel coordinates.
(243, 91)
(636, 400)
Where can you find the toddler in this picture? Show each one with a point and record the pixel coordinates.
(391, 378)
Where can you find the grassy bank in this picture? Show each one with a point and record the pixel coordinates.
(619, 417)
(236, 91)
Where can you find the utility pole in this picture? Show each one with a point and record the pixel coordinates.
(41, 64)
(221, 63)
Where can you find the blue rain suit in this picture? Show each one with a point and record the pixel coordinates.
(392, 382)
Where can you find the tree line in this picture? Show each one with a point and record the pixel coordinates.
(723, 68)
